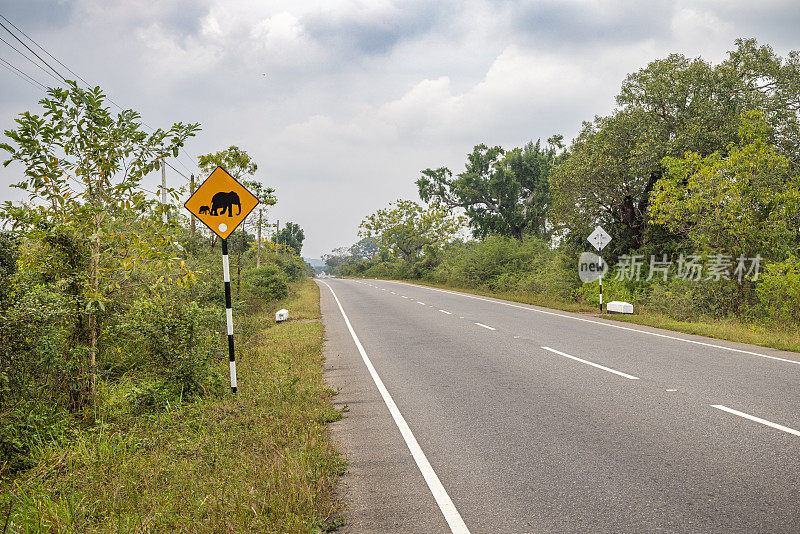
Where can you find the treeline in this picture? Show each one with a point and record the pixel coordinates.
(694, 175)
(111, 304)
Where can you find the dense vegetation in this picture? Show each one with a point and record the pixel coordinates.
(696, 176)
(112, 332)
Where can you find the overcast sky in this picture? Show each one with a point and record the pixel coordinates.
(342, 103)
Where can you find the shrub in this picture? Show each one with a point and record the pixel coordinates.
(42, 372)
(292, 265)
(676, 298)
(170, 339)
(778, 291)
(264, 284)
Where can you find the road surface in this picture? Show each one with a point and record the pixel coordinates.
(470, 414)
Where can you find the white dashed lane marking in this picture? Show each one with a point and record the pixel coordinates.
(587, 362)
(757, 419)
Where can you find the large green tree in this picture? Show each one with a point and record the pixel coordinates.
(672, 106)
(291, 236)
(743, 202)
(502, 193)
(82, 167)
(405, 228)
(608, 176)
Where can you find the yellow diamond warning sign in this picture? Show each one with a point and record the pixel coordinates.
(221, 203)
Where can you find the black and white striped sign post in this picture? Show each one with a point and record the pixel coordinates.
(214, 203)
(226, 273)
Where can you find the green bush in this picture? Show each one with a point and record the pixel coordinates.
(42, 371)
(778, 291)
(171, 340)
(264, 284)
(292, 265)
(9, 247)
(676, 298)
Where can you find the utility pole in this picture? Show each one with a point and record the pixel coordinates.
(191, 192)
(277, 235)
(163, 185)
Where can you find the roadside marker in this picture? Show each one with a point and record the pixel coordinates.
(599, 239)
(213, 204)
(226, 272)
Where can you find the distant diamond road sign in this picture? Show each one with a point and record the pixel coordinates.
(599, 238)
(216, 199)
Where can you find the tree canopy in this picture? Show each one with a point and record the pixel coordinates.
(233, 159)
(505, 193)
(672, 106)
(405, 228)
(744, 202)
(292, 236)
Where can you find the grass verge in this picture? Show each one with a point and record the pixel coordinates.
(257, 461)
(728, 329)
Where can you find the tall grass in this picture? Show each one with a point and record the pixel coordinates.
(256, 461)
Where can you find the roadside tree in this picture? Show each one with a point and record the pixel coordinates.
(502, 193)
(82, 168)
(405, 228)
(291, 236)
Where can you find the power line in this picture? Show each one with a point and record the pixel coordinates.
(61, 78)
(174, 169)
(45, 51)
(15, 49)
(22, 75)
(78, 76)
(178, 160)
(14, 35)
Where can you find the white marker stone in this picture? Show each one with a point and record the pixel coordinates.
(223, 227)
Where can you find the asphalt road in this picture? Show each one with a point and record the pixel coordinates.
(531, 420)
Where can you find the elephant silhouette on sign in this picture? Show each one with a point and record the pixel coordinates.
(203, 209)
(222, 202)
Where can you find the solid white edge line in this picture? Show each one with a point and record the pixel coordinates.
(757, 419)
(587, 362)
(656, 334)
(446, 505)
(485, 326)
